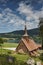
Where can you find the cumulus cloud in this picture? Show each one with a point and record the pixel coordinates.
(9, 19)
(32, 16)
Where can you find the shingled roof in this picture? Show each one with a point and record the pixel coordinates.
(30, 44)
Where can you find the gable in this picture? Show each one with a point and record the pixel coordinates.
(22, 48)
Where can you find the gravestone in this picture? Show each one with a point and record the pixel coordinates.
(31, 61)
(38, 63)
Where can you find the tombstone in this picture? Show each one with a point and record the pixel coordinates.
(31, 62)
(38, 63)
(10, 59)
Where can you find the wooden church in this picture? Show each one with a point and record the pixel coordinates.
(27, 45)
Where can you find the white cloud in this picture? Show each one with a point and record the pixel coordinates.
(13, 21)
(9, 19)
(32, 16)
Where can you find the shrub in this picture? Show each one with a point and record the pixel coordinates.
(41, 56)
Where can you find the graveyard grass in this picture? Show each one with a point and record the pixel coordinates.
(19, 59)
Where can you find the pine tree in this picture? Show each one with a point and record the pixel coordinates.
(41, 30)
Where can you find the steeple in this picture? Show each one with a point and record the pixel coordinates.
(25, 31)
(25, 28)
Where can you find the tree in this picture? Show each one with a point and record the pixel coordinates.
(41, 30)
(1, 42)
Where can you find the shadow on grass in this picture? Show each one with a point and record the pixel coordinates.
(4, 59)
(9, 60)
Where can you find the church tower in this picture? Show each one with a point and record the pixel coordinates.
(25, 31)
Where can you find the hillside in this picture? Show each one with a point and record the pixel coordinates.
(13, 34)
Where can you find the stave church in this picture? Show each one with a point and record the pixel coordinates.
(27, 45)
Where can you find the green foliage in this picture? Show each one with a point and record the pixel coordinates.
(4, 60)
(37, 39)
(18, 59)
(41, 57)
(1, 41)
(9, 52)
(41, 30)
(4, 51)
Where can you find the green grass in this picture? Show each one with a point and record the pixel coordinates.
(10, 45)
(22, 57)
(19, 59)
(4, 61)
(4, 51)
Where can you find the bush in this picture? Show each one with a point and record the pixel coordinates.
(9, 52)
(41, 57)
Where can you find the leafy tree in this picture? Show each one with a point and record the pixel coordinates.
(41, 30)
(1, 42)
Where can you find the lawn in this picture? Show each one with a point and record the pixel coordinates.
(10, 45)
(19, 59)
(22, 57)
(4, 60)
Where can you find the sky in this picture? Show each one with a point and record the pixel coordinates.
(14, 14)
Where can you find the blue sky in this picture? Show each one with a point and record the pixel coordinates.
(14, 14)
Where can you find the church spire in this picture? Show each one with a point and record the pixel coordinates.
(25, 28)
(25, 31)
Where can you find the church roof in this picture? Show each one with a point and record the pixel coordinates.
(30, 44)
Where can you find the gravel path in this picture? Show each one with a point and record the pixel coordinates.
(10, 49)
